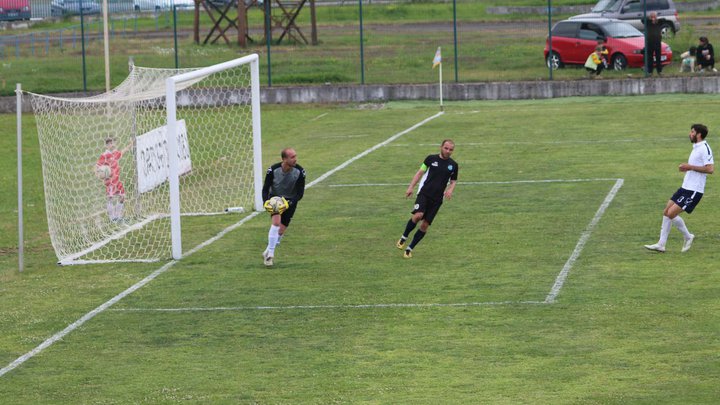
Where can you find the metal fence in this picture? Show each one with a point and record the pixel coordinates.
(507, 48)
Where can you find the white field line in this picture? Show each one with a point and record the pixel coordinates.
(319, 116)
(560, 280)
(566, 142)
(358, 306)
(476, 183)
(59, 335)
(550, 299)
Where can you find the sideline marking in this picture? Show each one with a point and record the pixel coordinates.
(59, 335)
(550, 299)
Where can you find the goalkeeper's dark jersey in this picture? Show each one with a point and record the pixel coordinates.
(438, 172)
(290, 185)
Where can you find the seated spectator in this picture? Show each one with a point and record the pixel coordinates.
(705, 56)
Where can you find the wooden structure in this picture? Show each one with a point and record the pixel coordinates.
(283, 15)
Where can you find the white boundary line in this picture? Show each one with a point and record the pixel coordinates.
(560, 280)
(59, 335)
(476, 183)
(565, 142)
(550, 299)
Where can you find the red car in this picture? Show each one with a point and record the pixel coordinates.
(573, 40)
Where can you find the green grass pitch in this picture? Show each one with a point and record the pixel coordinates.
(555, 199)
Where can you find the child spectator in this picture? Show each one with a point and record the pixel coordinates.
(688, 60)
(594, 62)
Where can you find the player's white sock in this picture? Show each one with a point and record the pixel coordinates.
(111, 210)
(680, 225)
(280, 236)
(664, 230)
(273, 237)
(119, 208)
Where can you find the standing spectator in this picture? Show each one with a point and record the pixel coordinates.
(705, 55)
(653, 34)
(595, 63)
(686, 198)
(284, 179)
(439, 175)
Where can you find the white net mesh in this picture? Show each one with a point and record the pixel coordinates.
(120, 213)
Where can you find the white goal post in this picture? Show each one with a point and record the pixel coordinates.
(122, 168)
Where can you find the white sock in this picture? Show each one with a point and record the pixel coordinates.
(280, 236)
(273, 237)
(680, 225)
(111, 210)
(665, 230)
(119, 207)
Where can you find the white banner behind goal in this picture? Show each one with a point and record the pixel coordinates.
(121, 168)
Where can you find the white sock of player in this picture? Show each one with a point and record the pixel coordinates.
(119, 207)
(273, 237)
(280, 236)
(110, 210)
(665, 230)
(680, 225)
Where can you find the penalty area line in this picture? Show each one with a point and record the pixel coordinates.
(60, 335)
(560, 280)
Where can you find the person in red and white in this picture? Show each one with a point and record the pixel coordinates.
(114, 189)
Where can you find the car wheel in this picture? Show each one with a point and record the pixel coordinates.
(553, 61)
(619, 62)
(667, 30)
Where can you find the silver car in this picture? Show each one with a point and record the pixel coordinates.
(632, 12)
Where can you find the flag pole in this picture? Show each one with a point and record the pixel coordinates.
(437, 61)
(440, 86)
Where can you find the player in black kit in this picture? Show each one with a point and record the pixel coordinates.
(439, 175)
(284, 179)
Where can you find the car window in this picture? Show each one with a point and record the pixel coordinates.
(621, 30)
(565, 29)
(591, 31)
(657, 5)
(606, 5)
(633, 6)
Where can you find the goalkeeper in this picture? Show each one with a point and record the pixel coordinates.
(284, 179)
(439, 175)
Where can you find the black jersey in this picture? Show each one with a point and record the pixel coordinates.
(438, 172)
(290, 185)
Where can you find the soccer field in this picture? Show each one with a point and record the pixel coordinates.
(532, 286)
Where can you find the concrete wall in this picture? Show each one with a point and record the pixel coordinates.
(376, 93)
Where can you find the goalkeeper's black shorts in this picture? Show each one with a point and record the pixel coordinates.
(286, 216)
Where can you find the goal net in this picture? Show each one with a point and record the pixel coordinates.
(120, 169)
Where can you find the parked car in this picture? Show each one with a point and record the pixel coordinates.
(157, 5)
(631, 11)
(60, 8)
(573, 40)
(11, 10)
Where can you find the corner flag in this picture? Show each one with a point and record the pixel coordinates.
(437, 60)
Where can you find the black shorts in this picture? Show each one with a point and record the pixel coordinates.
(286, 216)
(686, 199)
(428, 206)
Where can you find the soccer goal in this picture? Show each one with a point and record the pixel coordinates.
(122, 168)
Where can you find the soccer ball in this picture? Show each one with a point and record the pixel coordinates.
(102, 171)
(276, 205)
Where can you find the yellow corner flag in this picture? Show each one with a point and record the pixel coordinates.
(437, 59)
